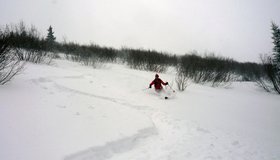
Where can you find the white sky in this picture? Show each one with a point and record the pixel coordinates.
(238, 29)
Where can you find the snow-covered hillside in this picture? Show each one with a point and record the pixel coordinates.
(72, 112)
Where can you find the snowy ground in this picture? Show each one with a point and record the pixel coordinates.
(72, 112)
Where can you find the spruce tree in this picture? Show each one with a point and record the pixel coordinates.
(276, 56)
(50, 39)
(276, 48)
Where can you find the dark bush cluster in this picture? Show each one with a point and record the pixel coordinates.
(21, 36)
(88, 54)
(249, 71)
(206, 69)
(149, 60)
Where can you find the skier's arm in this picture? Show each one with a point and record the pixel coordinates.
(152, 83)
(164, 83)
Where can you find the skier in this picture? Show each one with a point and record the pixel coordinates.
(157, 82)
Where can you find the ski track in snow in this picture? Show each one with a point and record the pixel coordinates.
(111, 148)
(159, 141)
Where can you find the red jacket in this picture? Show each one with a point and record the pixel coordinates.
(157, 82)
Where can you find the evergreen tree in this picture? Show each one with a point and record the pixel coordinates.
(276, 48)
(50, 37)
(276, 56)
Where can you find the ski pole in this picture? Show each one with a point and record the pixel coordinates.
(171, 88)
(145, 89)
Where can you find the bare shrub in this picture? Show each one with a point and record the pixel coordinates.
(34, 56)
(271, 74)
(182, 81)
(9, 64)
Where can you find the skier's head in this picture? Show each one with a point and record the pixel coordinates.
(156, 75)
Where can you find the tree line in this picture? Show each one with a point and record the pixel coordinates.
(21, 43)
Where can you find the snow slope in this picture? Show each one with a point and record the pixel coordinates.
(72, 112)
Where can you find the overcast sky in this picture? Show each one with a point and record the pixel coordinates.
(239, 29)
